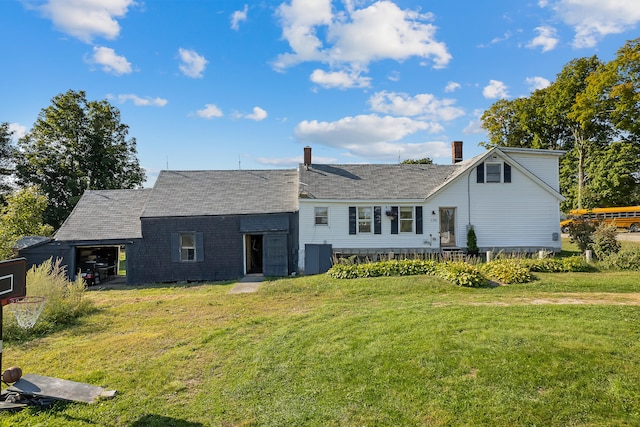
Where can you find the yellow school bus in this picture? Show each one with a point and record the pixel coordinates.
(623, 217)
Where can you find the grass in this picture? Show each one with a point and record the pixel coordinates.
(563, 350)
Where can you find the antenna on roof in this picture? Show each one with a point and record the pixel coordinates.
(239, 163)
(167, 162)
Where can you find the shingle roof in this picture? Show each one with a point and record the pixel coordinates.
(105, 215)
(367, 182)
(223, 192)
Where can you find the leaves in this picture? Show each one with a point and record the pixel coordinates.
(22, 216)
(76, 145)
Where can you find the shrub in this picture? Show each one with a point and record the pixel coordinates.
(581, 232)
(472, 242)
(64, 301)
(508, 271)
(460, 273)
(576, 264)
(605, 240)
(622, 260)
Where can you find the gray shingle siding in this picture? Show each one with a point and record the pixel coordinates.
(223, 244)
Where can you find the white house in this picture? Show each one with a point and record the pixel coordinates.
(510, 196)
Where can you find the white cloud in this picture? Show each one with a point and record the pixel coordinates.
(475, 125)
(209, 111)
(536, 83)
(355, 37)
(86, 19)
(17, 130)
(239, 16)
(424, 106)
(258, 114)
(370, 136)
(110, 61)
(339, 79)
(546, 38)
(193, 64)
(139, 101)
(594, 19)
(451, 86)
(495, 89)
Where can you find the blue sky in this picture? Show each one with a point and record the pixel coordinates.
(223, 84)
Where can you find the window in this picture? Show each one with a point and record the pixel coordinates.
(493, 172)
(322, 216)
(364, 220)
(406, 219)
(187, 247)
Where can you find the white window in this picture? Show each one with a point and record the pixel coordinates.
(321, 216)
(364, 220)
(187, 247)
(493, 172)
(406, 219)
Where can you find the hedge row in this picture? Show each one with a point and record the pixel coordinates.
(503, 270)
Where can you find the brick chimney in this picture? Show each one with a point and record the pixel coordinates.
(456, 152)
(307, 157)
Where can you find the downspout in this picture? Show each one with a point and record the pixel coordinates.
(469, 198)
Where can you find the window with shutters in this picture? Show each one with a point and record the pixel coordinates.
(364, 219)
(493, 173)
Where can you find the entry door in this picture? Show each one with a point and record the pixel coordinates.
(447, 227)
(276, 259)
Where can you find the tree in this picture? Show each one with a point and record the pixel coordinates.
(423, 161)
(77, 145)
(6, 159)
(22, 216)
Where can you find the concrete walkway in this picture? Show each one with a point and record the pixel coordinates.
(247, 284)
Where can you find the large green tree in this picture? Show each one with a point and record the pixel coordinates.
(75, 145)
(22, 216)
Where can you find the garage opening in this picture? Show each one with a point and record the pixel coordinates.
(253, 248)
(99, 264)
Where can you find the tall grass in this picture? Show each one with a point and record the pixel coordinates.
(65, 301)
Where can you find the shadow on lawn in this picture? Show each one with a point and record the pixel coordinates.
(162, 421)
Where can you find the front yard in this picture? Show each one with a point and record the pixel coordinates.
(417, 350)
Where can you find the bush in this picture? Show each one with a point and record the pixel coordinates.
(622, 260)
(508, 271)
(605, 240)
(64, 301)
(472, 242)
(580, 232)
(460, 273)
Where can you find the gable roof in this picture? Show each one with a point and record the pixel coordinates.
(105, 215)
(222, 192)
(502, 152)
(372, 182)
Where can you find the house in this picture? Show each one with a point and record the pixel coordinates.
(192, 226)
(510, 196)
(220, 225)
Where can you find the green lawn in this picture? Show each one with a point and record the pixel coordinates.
(314, 351)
